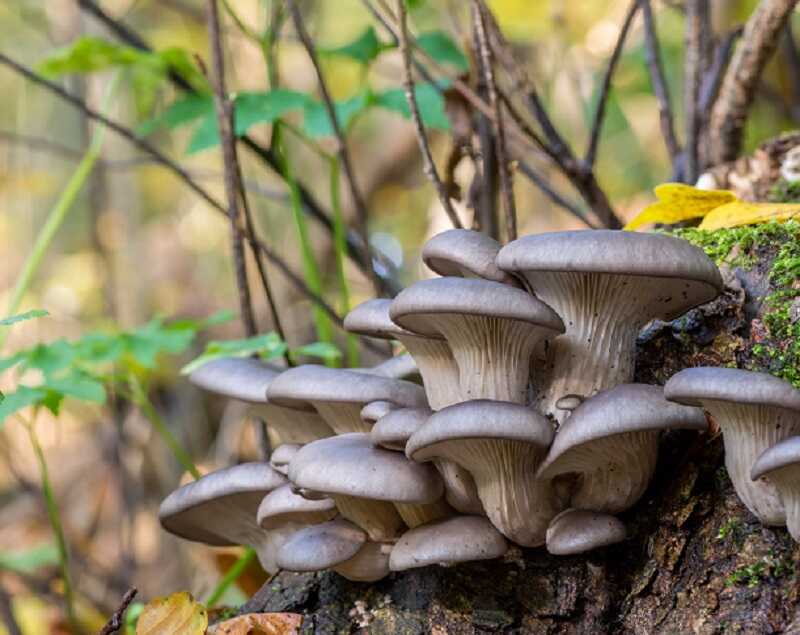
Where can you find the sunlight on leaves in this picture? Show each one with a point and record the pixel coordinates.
(365, 48)
(177, 614)
(259, 624)
(678, 202)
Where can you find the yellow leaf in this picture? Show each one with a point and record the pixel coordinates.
(260, 624)
(677, 202)
(742, 213)
(177, 614)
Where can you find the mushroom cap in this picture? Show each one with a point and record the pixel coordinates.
(782, 454)
(321, 546)
(413, 307)
(458, 539)
(620, 410)
(397, 367)
(242, 378)
(371, 318)
(374, 410)
(311, 382)
(393, 430)
(577, 530)
(455, 251)
(479, 419)
(350, 465)
(618, 252)
(185, 510)
(283, 505)
(692, 386)
(280, 457)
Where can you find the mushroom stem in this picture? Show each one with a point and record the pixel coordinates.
(459, 488)
(437, 367)
(342, 417)
(285, 425)
(379, 519)
(368, 565)
(786, 481)
(416, 515)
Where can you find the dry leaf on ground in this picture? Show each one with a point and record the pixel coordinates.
(677, 202)
(259, 624)
(177, 614)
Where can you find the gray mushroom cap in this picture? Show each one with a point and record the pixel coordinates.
(397, 367)
(280, 457)
(371, 318)
(321, 546)
(623, 253)
(577, 531)
(350, 465)
(458, 539)
(241, 378)
(282, 506)
(465, 253)
(393, 430)
(783, 454)
(692, 386)
(374, 410)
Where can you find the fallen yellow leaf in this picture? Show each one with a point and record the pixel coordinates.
(260, 624)
(677, 202)
(177, 614)
(739, 213)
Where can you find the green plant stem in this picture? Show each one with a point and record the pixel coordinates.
(233, 574)
(140, 398)
(58, 214)
(54, 517)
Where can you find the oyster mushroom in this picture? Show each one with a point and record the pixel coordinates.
(339, 395)
(754, 411)
(606, 285)
(280, 457)
(492, 330)
(375, 488)
(374, 410)
(220, 509)
(501, 445)
(780, 465)
(610, 442)
(464, 253)
(397, 367)
(247, 380)
(448, 542)
(339, 545)
(577, 531)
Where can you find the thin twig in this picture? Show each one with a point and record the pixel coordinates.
(709, 89)
(658, 81)
(341, 143)
(792, 56)
(7, 614)
(117, 619)
(693, 69)
(605, 88)
(428, 166)
(542, 183)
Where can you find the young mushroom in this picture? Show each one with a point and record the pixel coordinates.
(448, 542)
(577, 531)
(375, 488)
(339, 545)
(501, 445)
(374, 410)
(280, 457)
(754, 411)
(780, 465)
(492, 330)
(247, 380)
(339, 395)
(610, 443)
(220, 509)
(606, 285)
(464, 253)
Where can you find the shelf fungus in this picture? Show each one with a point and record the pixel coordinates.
(754, 411)
(605, 453)
(576, 531)
(492, 329)
(463, 253)
(339, 395)
(501, 445)
(220, 509)
(780, 465)
(606, 285)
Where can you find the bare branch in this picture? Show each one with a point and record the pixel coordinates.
(693, 71)
(7, 614)
(605, 88)
(542, 183)
(116, 621)
(759, 40)
(709, 89)
(487, 66)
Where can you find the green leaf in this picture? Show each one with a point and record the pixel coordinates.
(267, 346)
(179, 113)
(206, 135)
(147, 342)
(21, 317)
(90, 54)
(265, 107)
(365, 48)
(323, 350)
(29, 560)
(78, 386)
(181, 62)
(429, 101)
(22, 397)
(441, 47)
(50, 358)
(317, 123)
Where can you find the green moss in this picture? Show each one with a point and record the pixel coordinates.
(730, 528)
(768, 567)
(785, 192)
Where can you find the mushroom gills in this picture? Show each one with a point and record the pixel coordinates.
(380, 519)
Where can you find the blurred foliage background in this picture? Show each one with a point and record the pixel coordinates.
(137, 243)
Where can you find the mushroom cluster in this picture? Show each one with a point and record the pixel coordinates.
(527, 427)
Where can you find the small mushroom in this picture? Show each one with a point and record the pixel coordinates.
(780, 465)
(606, 285)
(280, 457)
(431, 354)
(374, 410)
(754, 411)
(220, 509)
(611, 443)
(492, 330)
(501, 445)
(247, 380)
(448, 542)
(337, 544)
(375, 488)
(465, 253)
(339, 395)
(577, 531)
